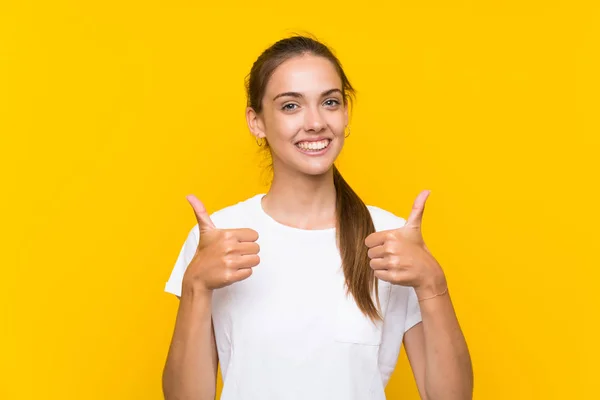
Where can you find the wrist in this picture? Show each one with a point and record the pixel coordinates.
(434, 285)
(195, 303)
(195, 290)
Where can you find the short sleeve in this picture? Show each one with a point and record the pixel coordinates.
(413, 311)
(187, 252)
(402, 313)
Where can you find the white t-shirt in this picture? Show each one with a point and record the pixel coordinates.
(289, 331)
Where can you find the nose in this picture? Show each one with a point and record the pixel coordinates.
(313, 120)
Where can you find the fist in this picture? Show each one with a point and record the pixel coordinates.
(400, 256)
(223, 256)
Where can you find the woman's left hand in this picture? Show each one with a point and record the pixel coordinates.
(400, 256)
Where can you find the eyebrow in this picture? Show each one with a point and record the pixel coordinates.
(299, 95)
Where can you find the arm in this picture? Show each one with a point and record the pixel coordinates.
(436, 347)
(190, 372)
(221, 258)
(438, 353)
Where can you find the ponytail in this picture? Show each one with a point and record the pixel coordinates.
(354, 224)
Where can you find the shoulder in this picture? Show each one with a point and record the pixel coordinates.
(385, 220)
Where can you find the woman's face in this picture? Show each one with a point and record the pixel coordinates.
(303, 116)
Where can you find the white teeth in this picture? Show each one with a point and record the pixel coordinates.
(315, 146)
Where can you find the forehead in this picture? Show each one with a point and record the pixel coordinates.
(304, 74)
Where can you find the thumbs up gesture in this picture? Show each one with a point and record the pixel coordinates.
(400, 256)
(223, 256)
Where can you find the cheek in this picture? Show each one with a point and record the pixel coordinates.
(283, 127)
(337, 123)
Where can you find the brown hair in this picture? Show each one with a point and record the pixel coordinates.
(354, 222)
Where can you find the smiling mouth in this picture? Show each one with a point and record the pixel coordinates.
(313, 146)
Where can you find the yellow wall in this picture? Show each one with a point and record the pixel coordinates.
(112, 111)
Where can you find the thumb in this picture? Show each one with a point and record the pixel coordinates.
(204, 222)
(415, 218)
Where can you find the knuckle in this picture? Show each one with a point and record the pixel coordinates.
(227, 276)
(388, 248)
(228, 263)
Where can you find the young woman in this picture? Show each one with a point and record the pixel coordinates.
(338, 287)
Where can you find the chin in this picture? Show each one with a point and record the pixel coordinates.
(316, 169)
(315, 172)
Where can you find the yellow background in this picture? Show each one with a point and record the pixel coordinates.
(112, 111)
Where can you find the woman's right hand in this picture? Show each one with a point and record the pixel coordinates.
(223, 256)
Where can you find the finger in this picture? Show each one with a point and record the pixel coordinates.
(246, 248)
(383, 274)
(415, 218)
(204, 221)
(394, 276)
(248, 261)
(241, 274)
(375, 239)
(376, 252)
(245, 234)
(379, 264)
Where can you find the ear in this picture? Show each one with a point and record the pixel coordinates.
(255, 123)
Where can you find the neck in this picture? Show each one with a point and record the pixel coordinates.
(302, 201)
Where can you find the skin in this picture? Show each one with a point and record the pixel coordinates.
(436, 347)
(302, 195)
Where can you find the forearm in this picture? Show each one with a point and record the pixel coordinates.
(448, 369)
(190, 373)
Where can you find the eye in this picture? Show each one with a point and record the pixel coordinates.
(289, 107)
(332, 102)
